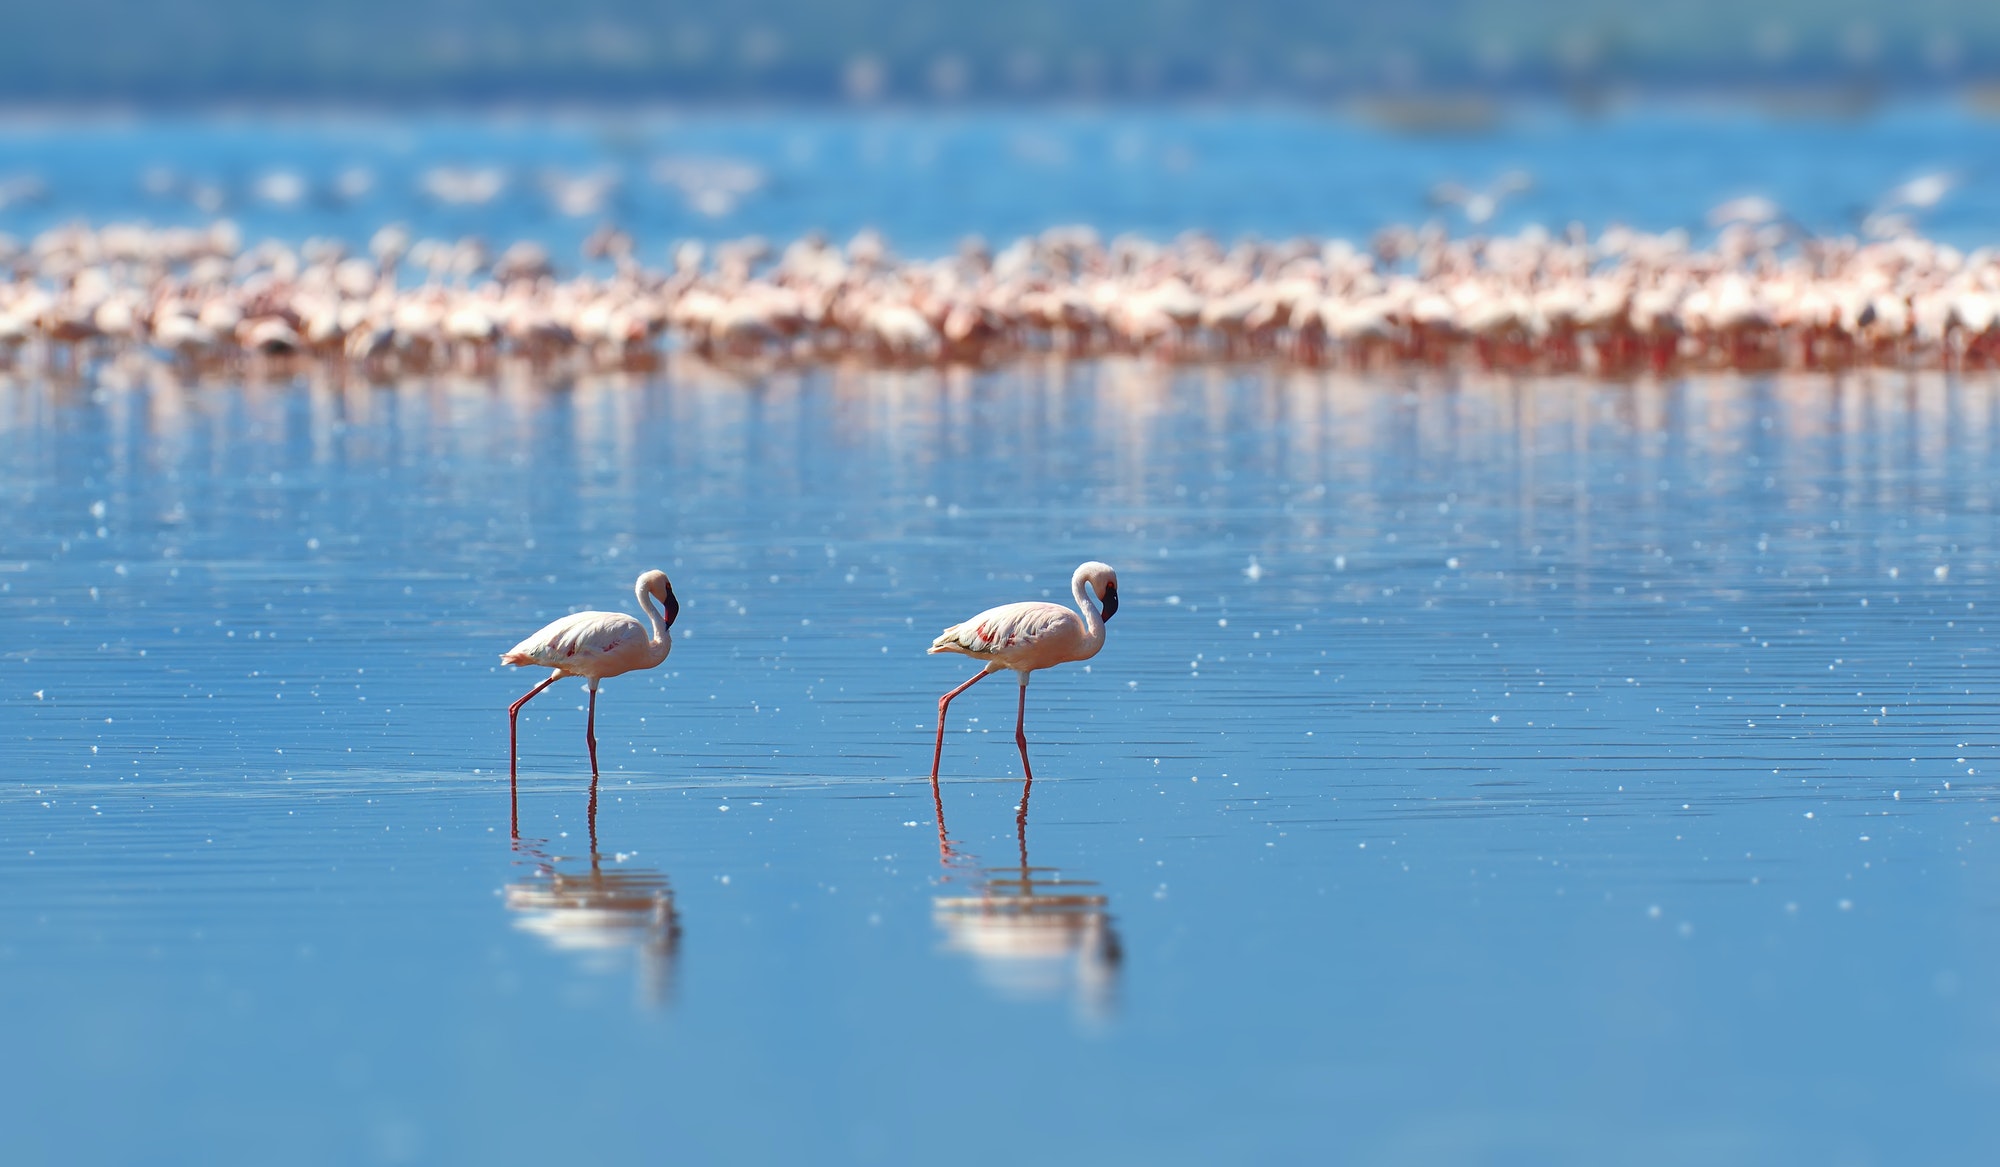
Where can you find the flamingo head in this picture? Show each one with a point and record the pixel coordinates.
(1104, 582)
(655, 584)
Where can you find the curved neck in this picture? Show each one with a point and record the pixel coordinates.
(656, 624)
(1093, 624)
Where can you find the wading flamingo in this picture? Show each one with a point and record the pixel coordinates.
(1029, 636)
(595, 645)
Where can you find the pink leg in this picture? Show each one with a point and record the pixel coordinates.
(944, 703)
(1021, 738)
(514, 725)
(590, 736)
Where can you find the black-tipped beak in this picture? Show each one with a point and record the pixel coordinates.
(671, 608)
(1110, 603)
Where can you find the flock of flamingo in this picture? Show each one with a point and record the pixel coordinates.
(1760, 294)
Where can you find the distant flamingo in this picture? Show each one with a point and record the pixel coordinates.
(1763, 292)
(1029, 636)
(595, 645)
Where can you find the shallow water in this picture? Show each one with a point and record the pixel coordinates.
(1511, 772)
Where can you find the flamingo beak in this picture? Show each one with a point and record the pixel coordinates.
(670, 607)
(1110, 603)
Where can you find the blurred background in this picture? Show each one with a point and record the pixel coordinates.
(933, 122)
(391, 51)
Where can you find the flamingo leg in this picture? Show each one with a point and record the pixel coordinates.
(1021, 740)
(514, 726)
(944, 703)
(590, 736)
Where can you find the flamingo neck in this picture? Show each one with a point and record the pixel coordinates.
(1093, 624)
(656, 623)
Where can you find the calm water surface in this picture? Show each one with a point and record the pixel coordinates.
(1478, 771)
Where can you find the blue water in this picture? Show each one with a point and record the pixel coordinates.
(1581, 773)
(928, 178)
(1479, 770)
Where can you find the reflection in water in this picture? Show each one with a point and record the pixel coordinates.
(597, 912)
(1033, 933)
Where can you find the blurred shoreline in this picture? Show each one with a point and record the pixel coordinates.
(1448, 110)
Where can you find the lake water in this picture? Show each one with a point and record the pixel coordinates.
(928, 178)
(1479, 770)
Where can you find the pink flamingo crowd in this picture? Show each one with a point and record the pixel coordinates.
(1755, 296)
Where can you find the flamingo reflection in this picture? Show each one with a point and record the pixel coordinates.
(600, 912)
(1031, 932)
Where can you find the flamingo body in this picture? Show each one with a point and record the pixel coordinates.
(1024, 637)
(1029, 636)
(594, 646)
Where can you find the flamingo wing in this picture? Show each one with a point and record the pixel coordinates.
(581, 643)
(1008, 631)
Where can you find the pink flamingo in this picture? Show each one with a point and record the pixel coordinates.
(1029, 636)
(595, 645)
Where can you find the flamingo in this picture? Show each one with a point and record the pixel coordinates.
(595, 645)
(1026, 637)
